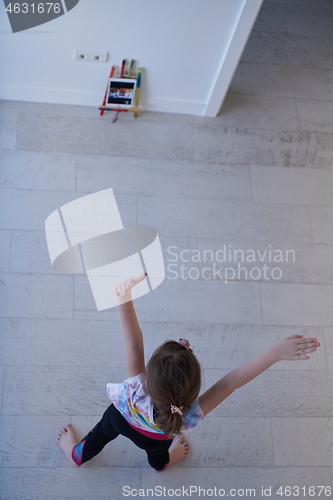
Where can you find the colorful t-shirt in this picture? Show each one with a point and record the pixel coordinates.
(133, 401)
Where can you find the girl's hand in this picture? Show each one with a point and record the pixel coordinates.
(123, 289)
(295, 347)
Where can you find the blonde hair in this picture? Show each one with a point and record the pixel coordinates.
(173, 378)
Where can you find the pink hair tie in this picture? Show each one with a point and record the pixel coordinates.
(185, 343)
(175, 409)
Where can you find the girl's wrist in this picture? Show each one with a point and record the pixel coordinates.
(123, 300)
(276, 353)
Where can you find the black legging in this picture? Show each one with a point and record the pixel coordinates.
(110, 426)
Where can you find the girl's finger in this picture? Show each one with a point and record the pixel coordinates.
(309, 349)
(139, 278)
(306, 342)
(306, 345)
(303, 356)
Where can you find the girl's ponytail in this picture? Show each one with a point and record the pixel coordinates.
(173, 383)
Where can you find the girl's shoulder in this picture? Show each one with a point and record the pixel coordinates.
(195, 411)
(193, 416)
(136, 387)
(128, 388)
(136, 379)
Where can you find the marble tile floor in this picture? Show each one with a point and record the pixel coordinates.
(258, 178)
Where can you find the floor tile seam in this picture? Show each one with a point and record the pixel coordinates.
(207, 368)
(16, 129)
(216, 125)
(76, 170)
(40, 275)
(3, 388)
(244, 202)
(267, 324)
(299, 7)
(287, 18)
(233, 417)
(190, 126)
(180, 196)
(249, 198)
(192, 143)
(74, 294)
(68, 467)
(303, 65)
(315, 4)
(286, 65)
(311, 223)
(231, 92)
(261, 305)
(73, 368)
(250, 281)
(323, 343)
(10, 251)
(180, 158)
(65, 151)
(107, 321)
(272, 441)
(297, 116)
(269, 467)
(286, 33)
(249, 128)
(233, 128)
(34, 151)
(201, 239)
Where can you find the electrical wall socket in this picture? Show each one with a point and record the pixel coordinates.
(90, 55)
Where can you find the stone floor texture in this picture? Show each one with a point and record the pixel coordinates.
(257, 177)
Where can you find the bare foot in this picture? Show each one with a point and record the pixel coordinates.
(66, 440)
(178, 450)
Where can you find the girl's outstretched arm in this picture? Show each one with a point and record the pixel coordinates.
(135, 362)
(291, 348)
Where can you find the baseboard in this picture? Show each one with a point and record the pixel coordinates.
(65, 96)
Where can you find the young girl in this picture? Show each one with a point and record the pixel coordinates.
(157, 403)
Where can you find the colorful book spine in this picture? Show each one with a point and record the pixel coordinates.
(131, 69)
(138, 88)
(113, 69)
(122, 71)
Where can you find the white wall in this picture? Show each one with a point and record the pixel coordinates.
(180, 43)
